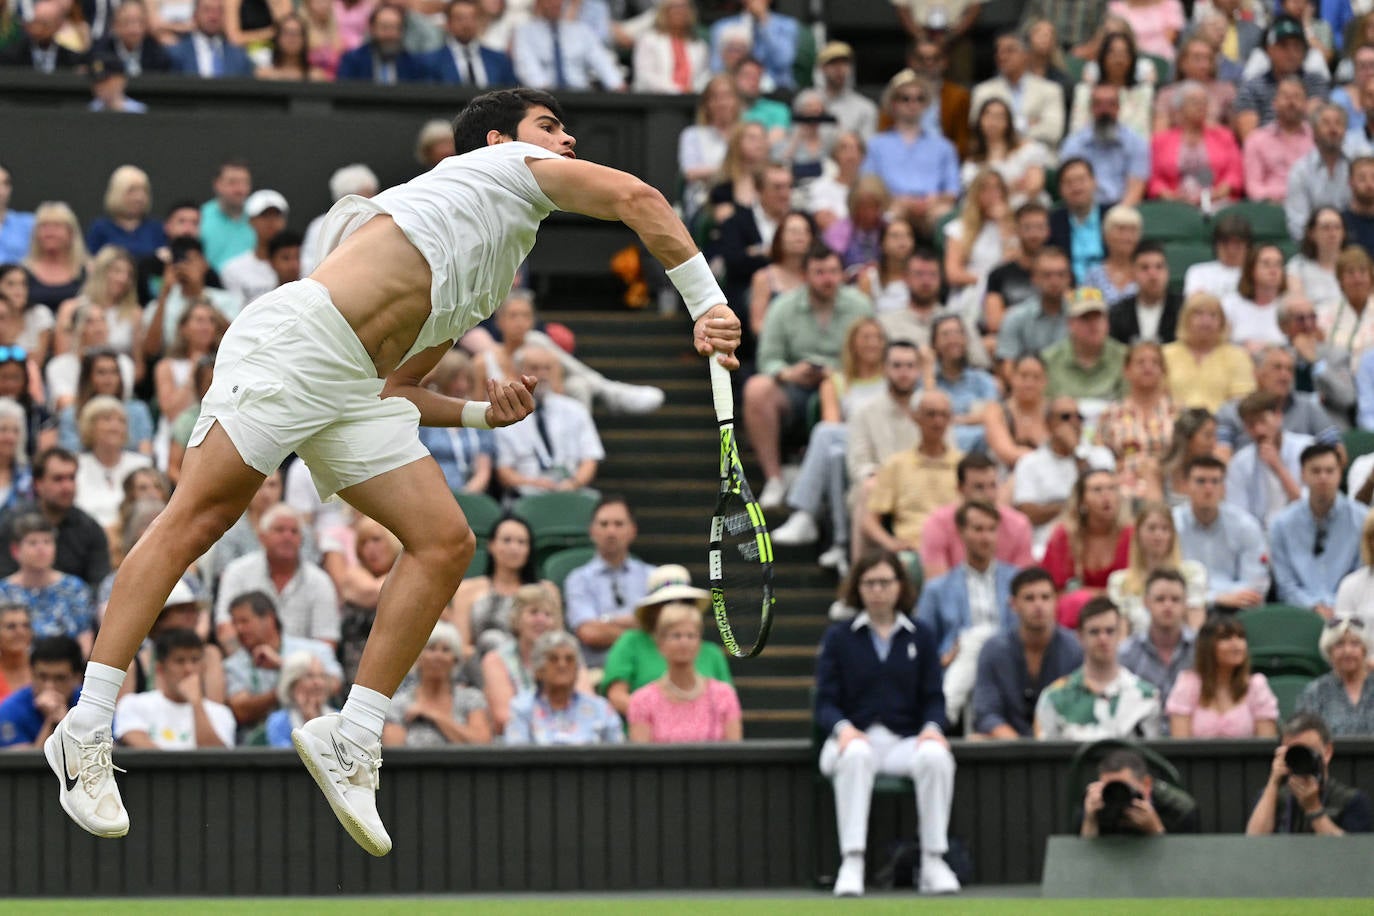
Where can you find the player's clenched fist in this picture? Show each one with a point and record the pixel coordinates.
(511, 402)
(718, 331)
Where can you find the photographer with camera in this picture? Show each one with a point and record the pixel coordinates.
(1301, 796)
(1126, 800)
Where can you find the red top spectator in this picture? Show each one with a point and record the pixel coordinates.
(1195, 156)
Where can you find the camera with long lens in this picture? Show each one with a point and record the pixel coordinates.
(1117, 798)
(1301, 760)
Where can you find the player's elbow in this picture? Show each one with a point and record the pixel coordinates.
(639, 202)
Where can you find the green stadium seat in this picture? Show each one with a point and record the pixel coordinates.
(1073, 66)
(482, 513)
(558, 520)
(1287, 688)
(1171, 221)
(478, 566)
(1163, 69)
(804, 63)
(940, 225)
(557, 566)
(1181, 256)
(1283, 640)
(1357, 442)
(1267, 220)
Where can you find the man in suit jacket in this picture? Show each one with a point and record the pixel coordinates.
(746, 237)
(383, 59)
(1152, 313)
(977, 591)
(463, 60)
(1076, 227)
(881, 704)
(35, 48)
(1038, 103)
(206, 52)
(131, 42)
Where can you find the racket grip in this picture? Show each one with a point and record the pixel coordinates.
(722, 392)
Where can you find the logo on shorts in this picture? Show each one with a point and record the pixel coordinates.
(235, 390)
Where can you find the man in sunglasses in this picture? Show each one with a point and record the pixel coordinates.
(1314, 543)
(919, 167)
(1045, 477)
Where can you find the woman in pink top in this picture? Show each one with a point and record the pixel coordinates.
(1220, 698)
(683, 706)
(351, 17)
(1156, 23)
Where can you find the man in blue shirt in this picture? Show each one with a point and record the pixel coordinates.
(28, 716)
(919, 167)
(774, 39)
(1015, 666)
(1076, 227)
(601, 594)
(224, 229)
(1315, 542)
(16, 228)
(1226, 540)
(1119, 156)
(1263, 476)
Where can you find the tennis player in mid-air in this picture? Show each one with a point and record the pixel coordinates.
(330, 367)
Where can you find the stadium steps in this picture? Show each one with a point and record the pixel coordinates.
(666, 465)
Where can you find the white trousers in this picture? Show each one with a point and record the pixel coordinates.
(929, 765)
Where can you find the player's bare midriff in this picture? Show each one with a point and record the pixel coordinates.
(380, 283)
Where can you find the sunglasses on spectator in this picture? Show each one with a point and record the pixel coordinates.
(1353, 622)
(1304, 318)
(914, 97)
(1319, 543)
(878, 583)
(13, 354)
(1067, 417)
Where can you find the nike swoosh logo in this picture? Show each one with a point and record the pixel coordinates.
(341, 755)
(66, 770)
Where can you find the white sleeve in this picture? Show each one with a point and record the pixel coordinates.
(590, 445)
(222, 720)
(324, 612)
(131, 715)
(1025, 489)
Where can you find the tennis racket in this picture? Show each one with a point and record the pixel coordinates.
(740, 554)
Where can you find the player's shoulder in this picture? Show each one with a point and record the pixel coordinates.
(514, 150)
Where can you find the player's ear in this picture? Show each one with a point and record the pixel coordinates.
(495, 136)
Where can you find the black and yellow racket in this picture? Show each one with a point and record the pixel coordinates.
(740, 556)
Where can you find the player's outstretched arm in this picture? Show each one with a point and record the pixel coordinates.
(507, 402)
(578, 186)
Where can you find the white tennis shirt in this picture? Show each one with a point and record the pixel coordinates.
(473, 217)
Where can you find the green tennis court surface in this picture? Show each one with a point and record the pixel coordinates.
(798, 904)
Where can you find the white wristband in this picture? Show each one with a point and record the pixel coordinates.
(698, 286)
(475, 415)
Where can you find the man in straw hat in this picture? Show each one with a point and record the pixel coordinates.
(634, 660)
(919, 167)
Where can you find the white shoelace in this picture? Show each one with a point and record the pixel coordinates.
(96, 764)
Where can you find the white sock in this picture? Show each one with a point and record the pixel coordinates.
(363, 715)
(95, 708)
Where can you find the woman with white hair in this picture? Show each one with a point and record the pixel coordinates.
(509, 668)
(1355, 595)
(682, 705)
(356, 179)
(126, 223)
(1198, 159)
(554, 712)
(1115, 275)
(102, 467)
(1344, 696)
(435, 709)
(303, 691)
(56, 262)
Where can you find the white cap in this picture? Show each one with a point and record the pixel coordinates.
(259, 202)
(181, 594)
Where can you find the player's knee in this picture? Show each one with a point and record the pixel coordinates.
(448, 548)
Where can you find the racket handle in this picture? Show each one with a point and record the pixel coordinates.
(722, 392)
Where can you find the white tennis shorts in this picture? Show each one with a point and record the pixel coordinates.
(292, 376)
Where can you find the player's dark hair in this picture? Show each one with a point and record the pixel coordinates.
(501, 111)
(47, 456)
(287, 238)
(168, 641)
(1029, 576)
(529, 572)
(58, 649)
(973, 461)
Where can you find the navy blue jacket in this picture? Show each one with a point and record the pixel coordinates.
(357, 65)
(183, 55)
(500, 70)
(902, 693)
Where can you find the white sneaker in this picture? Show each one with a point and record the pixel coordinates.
(85, 771)
(836, 558)
(850, 881)
(937, 877)
(346, 773)
(620, 397)
(774, 494)
(800, 528)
